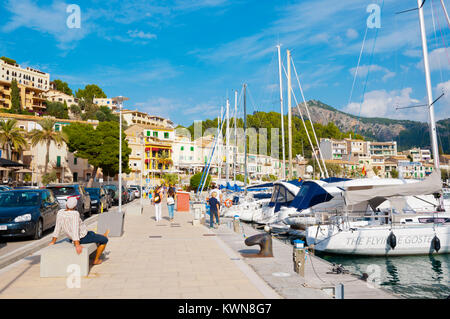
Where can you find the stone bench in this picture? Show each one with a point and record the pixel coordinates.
(56, 259)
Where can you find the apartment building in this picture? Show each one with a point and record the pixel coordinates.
(112, 104)
(151, 151)
(57, 96)
(383, 148)
(418, 154)
(32, 85)
(332, 149)
(137, 117)
(68, 167)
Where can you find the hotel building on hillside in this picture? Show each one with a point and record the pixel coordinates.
(53, 95)
(32, 85)
(137, 117)
(112, 104)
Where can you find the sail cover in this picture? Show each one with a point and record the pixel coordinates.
(377, 194)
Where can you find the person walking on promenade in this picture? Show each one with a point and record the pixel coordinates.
(157, 199)
(68, 222)
(214, 209)
(171, 196)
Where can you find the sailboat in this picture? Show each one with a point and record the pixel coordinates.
(385, 223)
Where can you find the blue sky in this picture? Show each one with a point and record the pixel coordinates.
(182, 58)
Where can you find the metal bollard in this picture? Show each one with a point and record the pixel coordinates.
(264, 241)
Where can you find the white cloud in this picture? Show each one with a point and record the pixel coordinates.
(351, 33)
(364, 69)
(381, 103)
(442, 106)
(438, 59)
(51, 20)
(141, 34)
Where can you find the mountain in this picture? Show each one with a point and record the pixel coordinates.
(407, 133)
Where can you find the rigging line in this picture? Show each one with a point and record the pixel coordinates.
(357, 66)
(445, 12)
(310, 120)
(443, 38)
(306, 129)
(368, 72)
(435, 39)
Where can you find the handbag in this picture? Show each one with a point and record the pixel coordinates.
(170, 201)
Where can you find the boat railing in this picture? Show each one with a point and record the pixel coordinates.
(382, 217)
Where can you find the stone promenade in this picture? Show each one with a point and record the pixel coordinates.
(151, 260)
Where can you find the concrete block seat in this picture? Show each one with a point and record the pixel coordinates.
(56, 259)
(112, 221)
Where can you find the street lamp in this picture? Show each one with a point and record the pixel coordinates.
(119, 100)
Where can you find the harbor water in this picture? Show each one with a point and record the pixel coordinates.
(424, 277)
(411, 277)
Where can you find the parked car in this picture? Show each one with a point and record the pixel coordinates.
(116, 193)
(27, 212)
(63, 191)
(131, 196)
(5, 188)
(98, 198)
(109, 196)
(137, 192)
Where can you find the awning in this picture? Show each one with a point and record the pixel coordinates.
(7, 163)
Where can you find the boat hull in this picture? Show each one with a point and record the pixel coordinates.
(373, 241)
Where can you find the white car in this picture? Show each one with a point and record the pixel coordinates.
(136, 191)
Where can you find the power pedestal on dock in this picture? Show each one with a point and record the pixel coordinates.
(299, 257)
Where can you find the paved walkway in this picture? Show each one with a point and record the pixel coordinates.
(182, 263)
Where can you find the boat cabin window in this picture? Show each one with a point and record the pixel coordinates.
(281, 195)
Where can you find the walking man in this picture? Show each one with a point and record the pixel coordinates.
(68, 222)
(213, 210)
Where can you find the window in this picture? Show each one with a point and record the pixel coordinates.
(75, 161)
(192, 148)
(155, 134)
(75, 177)
(57, 128)
(166, 135)
(58, 161)
(148, 133)
(182, 148)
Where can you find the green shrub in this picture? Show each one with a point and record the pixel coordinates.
(195, 181)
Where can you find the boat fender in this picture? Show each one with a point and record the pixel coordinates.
(392, 240)
(436, 243)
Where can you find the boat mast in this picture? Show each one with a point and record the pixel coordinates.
(227, 136)
(245, 138)
(235, 136)
(219, 132)
(289, 112)
(433, 136)
(282, 114)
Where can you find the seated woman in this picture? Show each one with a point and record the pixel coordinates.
(68, 222)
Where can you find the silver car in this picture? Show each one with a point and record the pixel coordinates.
(63, 191)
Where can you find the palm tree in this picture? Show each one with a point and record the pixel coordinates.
(12, 137)
(47, 135)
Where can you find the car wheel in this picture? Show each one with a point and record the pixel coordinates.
(39, 230)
